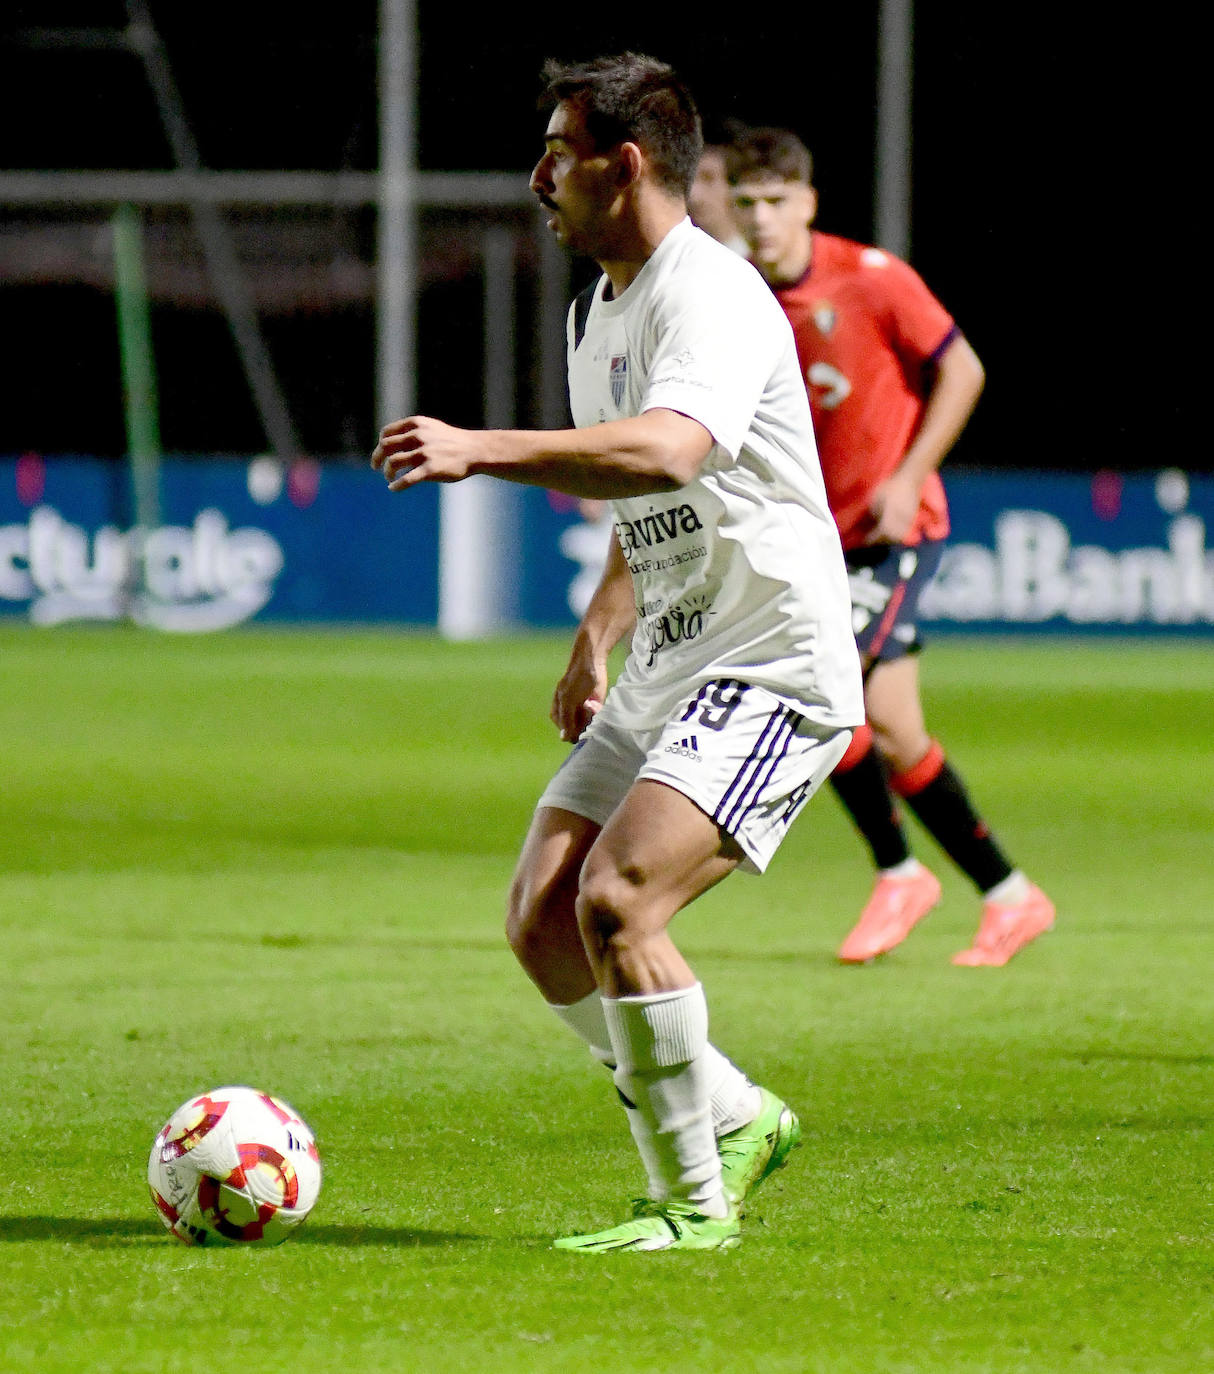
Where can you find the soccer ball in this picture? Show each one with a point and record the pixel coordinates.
(234, 1166)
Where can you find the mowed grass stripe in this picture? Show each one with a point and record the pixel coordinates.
(280, 857)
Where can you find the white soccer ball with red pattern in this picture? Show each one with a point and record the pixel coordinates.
(234, 1167)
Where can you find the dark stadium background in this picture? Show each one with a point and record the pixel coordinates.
(1052, 194)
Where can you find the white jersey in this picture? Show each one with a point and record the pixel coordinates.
(739, 574)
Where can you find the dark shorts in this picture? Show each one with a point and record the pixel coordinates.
(886, 583)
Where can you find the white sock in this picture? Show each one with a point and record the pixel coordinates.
(586, 1020)
(735, 1099)
(906, 869)
(1014, 888)
(659, 1043)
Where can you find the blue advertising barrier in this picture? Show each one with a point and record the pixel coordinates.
(1029, 552)
(238, 541)
(1068, 553)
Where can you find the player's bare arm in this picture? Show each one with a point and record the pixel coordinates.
(611, 614)
(659, 450)
(958, 384)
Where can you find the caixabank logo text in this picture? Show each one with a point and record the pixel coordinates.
(1109, 551)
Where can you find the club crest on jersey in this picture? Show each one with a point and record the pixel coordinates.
(824, 317)
(619, 378)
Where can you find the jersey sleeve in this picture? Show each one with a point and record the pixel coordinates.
(712, 360)
(917, 324)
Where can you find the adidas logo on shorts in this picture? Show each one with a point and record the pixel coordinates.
(688, 748)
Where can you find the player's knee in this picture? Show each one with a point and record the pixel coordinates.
(541, 923)
(609, 905)
(525, 919)
(517, 932)
(901, 748)
(884, 740)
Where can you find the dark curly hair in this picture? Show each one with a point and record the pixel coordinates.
(633, 98)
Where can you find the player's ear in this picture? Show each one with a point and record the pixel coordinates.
(811, 205)
(629, 163)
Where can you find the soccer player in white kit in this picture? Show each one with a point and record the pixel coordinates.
(742, 686)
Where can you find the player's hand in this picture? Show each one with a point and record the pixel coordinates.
(578, 697)
(420, 449)
(892, 509)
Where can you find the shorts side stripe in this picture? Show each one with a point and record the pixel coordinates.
(770, 747)
(794, 720)
(772, 721)
(777, 755)
(887, 622)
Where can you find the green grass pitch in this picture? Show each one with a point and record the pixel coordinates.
(279, 857)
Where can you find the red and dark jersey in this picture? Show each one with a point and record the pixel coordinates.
(868, 333)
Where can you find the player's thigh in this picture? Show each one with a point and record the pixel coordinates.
(658, 852)
(894, 709)
(549, 863)
(585, 791)
(541, 919)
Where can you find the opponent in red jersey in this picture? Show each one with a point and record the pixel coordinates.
(870, 337)
(892, 383)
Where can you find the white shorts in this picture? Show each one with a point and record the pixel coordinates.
(747, 760)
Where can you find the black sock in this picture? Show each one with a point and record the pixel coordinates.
(863, 789)
(944, 807)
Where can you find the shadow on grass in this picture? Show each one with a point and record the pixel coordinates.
(125, 1231)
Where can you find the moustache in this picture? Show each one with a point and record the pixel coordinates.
(547, 204)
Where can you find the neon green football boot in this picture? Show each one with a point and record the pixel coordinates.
(759, 1148)
(661, 1226)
